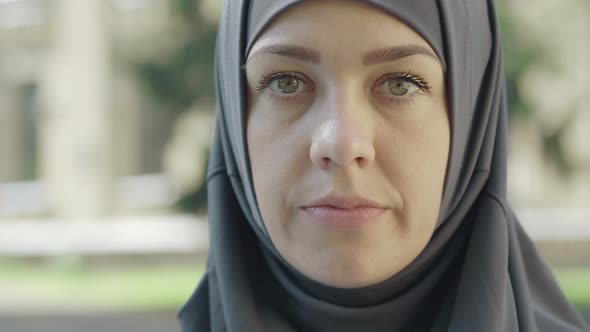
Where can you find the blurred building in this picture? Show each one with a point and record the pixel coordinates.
(74, 118)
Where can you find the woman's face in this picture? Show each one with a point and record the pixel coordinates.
(348, 137)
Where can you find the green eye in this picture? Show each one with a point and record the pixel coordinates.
(399, 87)
(286, 84)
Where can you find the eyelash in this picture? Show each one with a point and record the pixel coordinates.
(266, 80)
(406, 76)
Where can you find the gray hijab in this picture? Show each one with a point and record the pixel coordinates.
(479, 272)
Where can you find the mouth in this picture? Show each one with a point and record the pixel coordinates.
(344, 211)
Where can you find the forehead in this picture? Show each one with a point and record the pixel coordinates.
(342, 27)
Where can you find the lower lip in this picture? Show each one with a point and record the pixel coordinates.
(345, 218)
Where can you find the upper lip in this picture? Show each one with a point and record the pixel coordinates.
(344, 202)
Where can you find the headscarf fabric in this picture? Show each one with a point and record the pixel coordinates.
(479, 272)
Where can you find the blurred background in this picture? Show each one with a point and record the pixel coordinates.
(106, 113)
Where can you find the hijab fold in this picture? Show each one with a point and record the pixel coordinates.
(479, 272)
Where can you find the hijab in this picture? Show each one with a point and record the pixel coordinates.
(479, 271)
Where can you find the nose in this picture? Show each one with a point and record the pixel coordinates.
(343, 138)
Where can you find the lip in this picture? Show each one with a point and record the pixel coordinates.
(344, 211)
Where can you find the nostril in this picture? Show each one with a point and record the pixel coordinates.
(326, 161)
(361, 161)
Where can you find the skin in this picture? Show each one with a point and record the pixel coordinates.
(344, 131)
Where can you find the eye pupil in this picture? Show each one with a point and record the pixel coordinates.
(288, 84)
(399, 87)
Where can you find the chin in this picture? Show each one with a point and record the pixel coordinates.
(348, 271)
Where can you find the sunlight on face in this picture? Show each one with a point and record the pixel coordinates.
(348, 139)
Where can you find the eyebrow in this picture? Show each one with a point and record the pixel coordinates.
(395, 53)
(370, 58)
(291, 51)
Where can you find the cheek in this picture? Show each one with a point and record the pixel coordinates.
(278, 157)
(415, 155)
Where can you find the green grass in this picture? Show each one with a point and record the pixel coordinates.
(120, 289)
(575, 283)
(70, 285)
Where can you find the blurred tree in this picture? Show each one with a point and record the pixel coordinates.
(186, 75)
(518, 57)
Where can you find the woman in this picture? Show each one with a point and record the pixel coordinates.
(357, 177)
